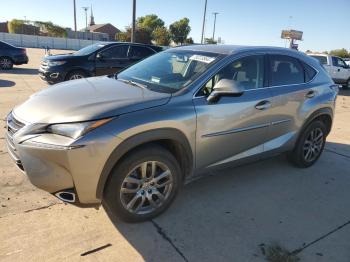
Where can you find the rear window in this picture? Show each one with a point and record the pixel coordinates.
(322, 59)
(309, 72)
(285, 70)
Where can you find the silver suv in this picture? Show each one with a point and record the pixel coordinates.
(131, 140)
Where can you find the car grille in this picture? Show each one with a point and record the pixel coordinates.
(43, 65)
(13, 125)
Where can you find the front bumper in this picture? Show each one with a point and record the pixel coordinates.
(55, 163)
(20, 59)
(51, 75)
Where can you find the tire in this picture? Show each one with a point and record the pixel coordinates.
(6, 63)
(121, 188)
(347, 85)
(76, 74)
(310, 145)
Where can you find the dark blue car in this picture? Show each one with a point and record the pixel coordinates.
(11, 55)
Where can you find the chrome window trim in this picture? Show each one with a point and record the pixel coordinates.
(265, 87)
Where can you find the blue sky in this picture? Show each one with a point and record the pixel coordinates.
(326, 23)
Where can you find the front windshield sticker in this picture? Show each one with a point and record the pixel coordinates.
(155, 79)
(202, 58)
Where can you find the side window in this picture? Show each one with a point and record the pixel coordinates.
(309, 72)
(140, 52)
(338, 62)
(247, 72)
(322, 59)
(115, 52)
(285, 70)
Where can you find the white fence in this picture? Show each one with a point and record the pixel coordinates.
(44, 41)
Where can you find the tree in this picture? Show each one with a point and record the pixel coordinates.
(179, 30)
(161, 36)
(15, 26)
(51, 29)
(149, 22)
(210, 41)
(340, 52)
(189, 41)
(141, 36)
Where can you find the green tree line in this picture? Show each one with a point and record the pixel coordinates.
(336, 52)
(17, 26)
(152, 28)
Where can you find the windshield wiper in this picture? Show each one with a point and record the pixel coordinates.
(130, 82)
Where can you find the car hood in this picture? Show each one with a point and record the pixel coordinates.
(87, 99)
(62, 57)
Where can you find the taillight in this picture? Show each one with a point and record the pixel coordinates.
(24, 51)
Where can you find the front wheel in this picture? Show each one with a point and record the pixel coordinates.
(143, 185)
(309, 146)
(347, 85)
(76, 75)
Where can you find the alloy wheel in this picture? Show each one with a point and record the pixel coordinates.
(146, 187)
(313, 144)
(5, 63)
(76, 76)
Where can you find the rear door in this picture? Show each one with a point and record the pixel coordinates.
(112, 59)
(137, 53)
(288, 77)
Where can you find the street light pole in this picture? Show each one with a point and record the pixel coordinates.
(133, 27)
(85, 9)
(204, 15)
(75, 19)
(215, 14)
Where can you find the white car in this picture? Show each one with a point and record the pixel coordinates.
(337, 68)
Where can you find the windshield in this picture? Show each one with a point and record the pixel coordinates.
(169, 71)
(89, 49)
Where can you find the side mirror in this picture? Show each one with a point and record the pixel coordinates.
(225, 87)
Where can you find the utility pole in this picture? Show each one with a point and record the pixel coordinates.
(75, 19)
(133, 27)
(215, 14)
(85, 9)
(204, 15)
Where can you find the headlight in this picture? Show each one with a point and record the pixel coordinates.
(75, 130)
(55, 63)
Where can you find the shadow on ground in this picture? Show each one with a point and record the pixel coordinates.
(6, 83)
(230, 214)
(344, 92)
(21, 71)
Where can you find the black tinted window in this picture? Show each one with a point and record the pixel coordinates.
(285, 70)
(115, 52)
(309, 72)
(322, 59)
(140, 52)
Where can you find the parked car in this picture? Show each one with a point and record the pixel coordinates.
(130, 141)
(336, 67)
(98, 59)
(11, 55)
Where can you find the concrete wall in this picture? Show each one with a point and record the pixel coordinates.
(44, 41)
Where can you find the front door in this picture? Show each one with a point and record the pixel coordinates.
(341, 70)
(112, 60)
(233, 127)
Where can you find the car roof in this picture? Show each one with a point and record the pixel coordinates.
(232, 49)
(128, 43)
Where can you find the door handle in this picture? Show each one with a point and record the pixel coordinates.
(310, 94)
(262, 105)
(338, 69)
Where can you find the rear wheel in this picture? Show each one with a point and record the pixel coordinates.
(6, 63)
(310, 145)
(78, 74)
(143, 185)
